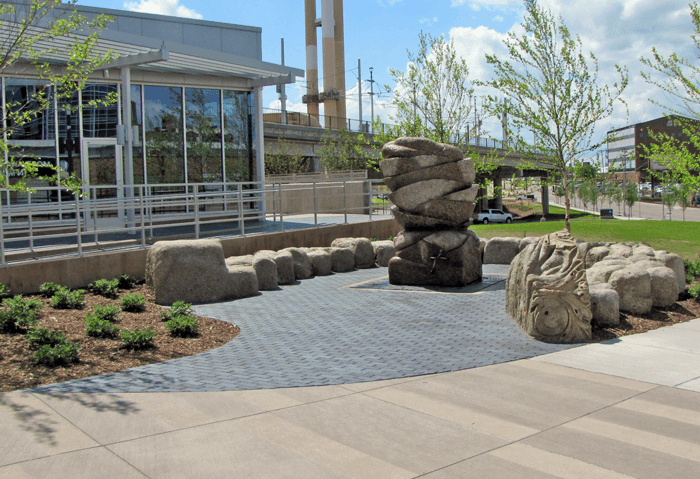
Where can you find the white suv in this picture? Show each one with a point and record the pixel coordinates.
(493, 216)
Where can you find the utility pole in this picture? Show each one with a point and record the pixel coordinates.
(282, 92)
(359, 89)
(371, 95)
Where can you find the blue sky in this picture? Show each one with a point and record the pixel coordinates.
(380, 31)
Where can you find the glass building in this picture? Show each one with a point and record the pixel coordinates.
(181, 103)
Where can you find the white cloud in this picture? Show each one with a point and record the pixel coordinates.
(429, 21)
(498, 18)
(458, 3)
(162, 7)
(389, 3)
(617, 32)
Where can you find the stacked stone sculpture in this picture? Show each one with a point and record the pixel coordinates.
(547, 293)
(433, 196)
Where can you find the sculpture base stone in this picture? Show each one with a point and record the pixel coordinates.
(439, 259)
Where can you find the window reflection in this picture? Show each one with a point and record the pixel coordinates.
(100, 110)
(203, 114)
(238, 134)
(164, 143)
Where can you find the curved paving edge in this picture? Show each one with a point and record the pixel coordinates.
(321, 332)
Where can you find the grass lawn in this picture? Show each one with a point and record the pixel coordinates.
(680, 237)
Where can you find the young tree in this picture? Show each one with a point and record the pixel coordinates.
(553, 91)
(433, 97)
(285, 161)
(630, 195)
(29, 34)
(341, 150)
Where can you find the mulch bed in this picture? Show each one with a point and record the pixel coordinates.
(99, 356)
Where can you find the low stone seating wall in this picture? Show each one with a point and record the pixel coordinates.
(195, 271)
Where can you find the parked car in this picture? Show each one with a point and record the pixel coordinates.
(493, 216)
(526, 197)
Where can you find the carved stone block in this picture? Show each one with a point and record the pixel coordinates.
(547, 292)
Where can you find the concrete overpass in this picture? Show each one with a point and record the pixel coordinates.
(306, 140)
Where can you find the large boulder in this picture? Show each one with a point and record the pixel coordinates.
(546, 290)
(342, 259)
(633, 285)
(383, 252)
(321, 261)
(302, 265)
(605, 305)
(501, 250)
(195, 271)
(674, 262)
(265, 269)
(664, 286)
(361, 248)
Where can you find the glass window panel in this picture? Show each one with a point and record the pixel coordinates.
(203, 116)
(69, 134)
(238, 135)
(31, 134)
(99, 119)
(164, 145)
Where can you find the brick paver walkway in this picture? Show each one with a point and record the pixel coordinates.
(338, 329)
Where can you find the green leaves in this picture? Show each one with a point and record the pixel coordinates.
(433, 97)
(553, 92)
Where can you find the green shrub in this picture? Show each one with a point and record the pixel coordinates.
(48, 289)
(133, 302)
(18, 312)
(100, 328)
(125, 281)
(64, 298)
(694, 290)
(106, 288)
(4, 291)
(138, 338)
(41, 336)
(58, 355)
(105, 313)
(691, 268)
(183, 326)
(178, 308)
(689, 278)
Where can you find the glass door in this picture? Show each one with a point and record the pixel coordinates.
(103, 172)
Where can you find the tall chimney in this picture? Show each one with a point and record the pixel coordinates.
(311, 97)
(340, 59)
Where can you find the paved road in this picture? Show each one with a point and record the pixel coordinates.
(644, 210)
(340, 329)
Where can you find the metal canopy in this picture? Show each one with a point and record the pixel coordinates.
(148, 54)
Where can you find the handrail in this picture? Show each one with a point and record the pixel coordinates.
(110, 217)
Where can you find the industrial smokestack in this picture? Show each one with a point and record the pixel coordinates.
(340, 59)
(311, 97)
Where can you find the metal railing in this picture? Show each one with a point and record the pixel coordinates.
(107, 218)
(295, 118)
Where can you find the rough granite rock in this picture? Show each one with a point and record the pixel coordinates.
(528, 240)
(302, 265)
(321, 261)
(410, 197)
(674, 262)
(429, 261)
(362, 249)
(550, 303)
(596, 254)
(664, 286)
(633, 285)
(462, 170)
(501, 250)
(243, 280)
(419, 222)
(383, 252)
(407, 238)
(266, 271)
(343, 259)
(605, 305)
(193, 271)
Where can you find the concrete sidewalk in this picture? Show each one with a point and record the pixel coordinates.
(624, 408)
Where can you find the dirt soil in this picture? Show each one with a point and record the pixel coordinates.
(100, 356)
